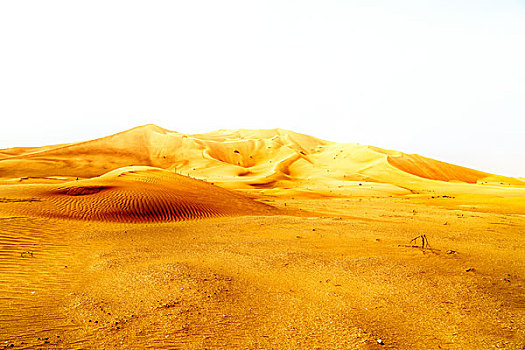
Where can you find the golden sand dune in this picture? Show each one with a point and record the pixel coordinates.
(132, 194)
(274, 160)
(351, 273)
(436, 170)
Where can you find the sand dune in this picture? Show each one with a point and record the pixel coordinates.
(132, 194)
(113, 260)
(434, 169)
(279, 161)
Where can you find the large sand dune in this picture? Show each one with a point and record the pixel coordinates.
(97, 249)
(270, 159)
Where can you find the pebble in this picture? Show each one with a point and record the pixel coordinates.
(380, 342)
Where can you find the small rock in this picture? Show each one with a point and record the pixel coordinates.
(380, 342)
(451, 252)
(470, 269)
(26, 254)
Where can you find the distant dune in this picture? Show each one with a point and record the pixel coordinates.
(273, 160)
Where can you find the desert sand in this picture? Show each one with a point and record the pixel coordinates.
(255, 239)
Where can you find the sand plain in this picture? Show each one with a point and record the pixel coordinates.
(257, 239)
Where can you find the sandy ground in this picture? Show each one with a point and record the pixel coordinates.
(336, 278)
(255, 239)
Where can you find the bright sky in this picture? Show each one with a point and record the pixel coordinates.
(444, 79)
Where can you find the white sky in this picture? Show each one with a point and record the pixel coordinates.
(444, 79)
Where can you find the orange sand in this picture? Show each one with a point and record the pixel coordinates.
(300, 243)
(133, 194)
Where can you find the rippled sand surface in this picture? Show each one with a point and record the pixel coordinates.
(339, 277)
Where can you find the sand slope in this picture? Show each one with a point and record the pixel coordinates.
(131, 194)
(274, 160)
